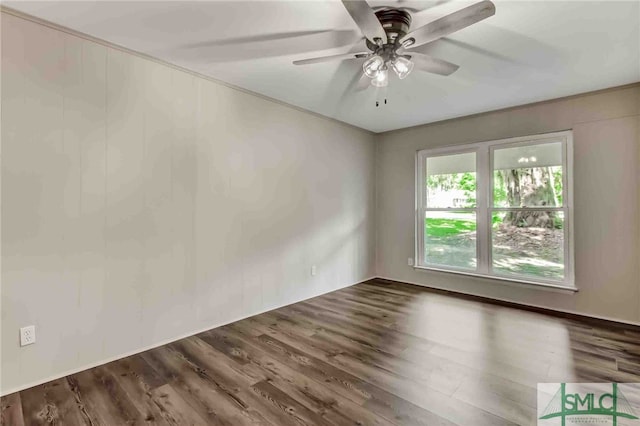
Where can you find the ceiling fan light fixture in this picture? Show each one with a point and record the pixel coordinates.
(402, 66)
(381, 79)
(372, 66)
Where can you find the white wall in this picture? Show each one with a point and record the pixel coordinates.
(606, 129)
(141, 203)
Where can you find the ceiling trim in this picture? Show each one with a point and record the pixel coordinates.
(110, 45)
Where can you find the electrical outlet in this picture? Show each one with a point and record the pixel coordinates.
(313, 270)
(410, 261)
(27, 335)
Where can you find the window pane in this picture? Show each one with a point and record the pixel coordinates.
(528, 176)
(450, 239)
(529, 243)
(451, 181)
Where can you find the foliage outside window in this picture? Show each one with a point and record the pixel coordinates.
(499, 209)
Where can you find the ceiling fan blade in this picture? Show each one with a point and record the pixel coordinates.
(366, 19)
(340, 57)
(358, 83)
(433, 65)
(362, 83)
(239, 41)
(265, 45)
(476, 49)
(436, 46)
(450, 23)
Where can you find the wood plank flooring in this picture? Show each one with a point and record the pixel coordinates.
(376, 353)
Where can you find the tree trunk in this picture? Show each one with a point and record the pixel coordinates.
(532, 187)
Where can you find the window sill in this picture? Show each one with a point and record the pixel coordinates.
(506, 280)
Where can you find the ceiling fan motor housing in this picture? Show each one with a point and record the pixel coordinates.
(396, 23)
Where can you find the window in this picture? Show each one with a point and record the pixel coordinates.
(500, 209)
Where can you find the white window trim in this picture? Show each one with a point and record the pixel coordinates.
(484, 207)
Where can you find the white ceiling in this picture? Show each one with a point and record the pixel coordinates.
(529, 51)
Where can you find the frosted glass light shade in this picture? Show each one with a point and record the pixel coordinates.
(402, 66)
(372, 66)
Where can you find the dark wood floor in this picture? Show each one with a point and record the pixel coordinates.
(372, 354)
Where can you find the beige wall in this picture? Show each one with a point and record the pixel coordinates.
(142, 203)
(606, 172)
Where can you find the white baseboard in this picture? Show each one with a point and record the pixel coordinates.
(162, 343)
(191, 333)
(621, 321)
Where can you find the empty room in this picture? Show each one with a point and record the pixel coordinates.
(320, 212)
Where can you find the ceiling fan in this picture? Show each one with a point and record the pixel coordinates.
(390, 41)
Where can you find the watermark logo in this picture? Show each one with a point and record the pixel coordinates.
(588, 403)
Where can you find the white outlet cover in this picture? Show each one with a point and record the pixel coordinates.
(410, 261)
(27, 335)
(313, 270)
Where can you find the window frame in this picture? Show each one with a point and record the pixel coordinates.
(484, 208)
